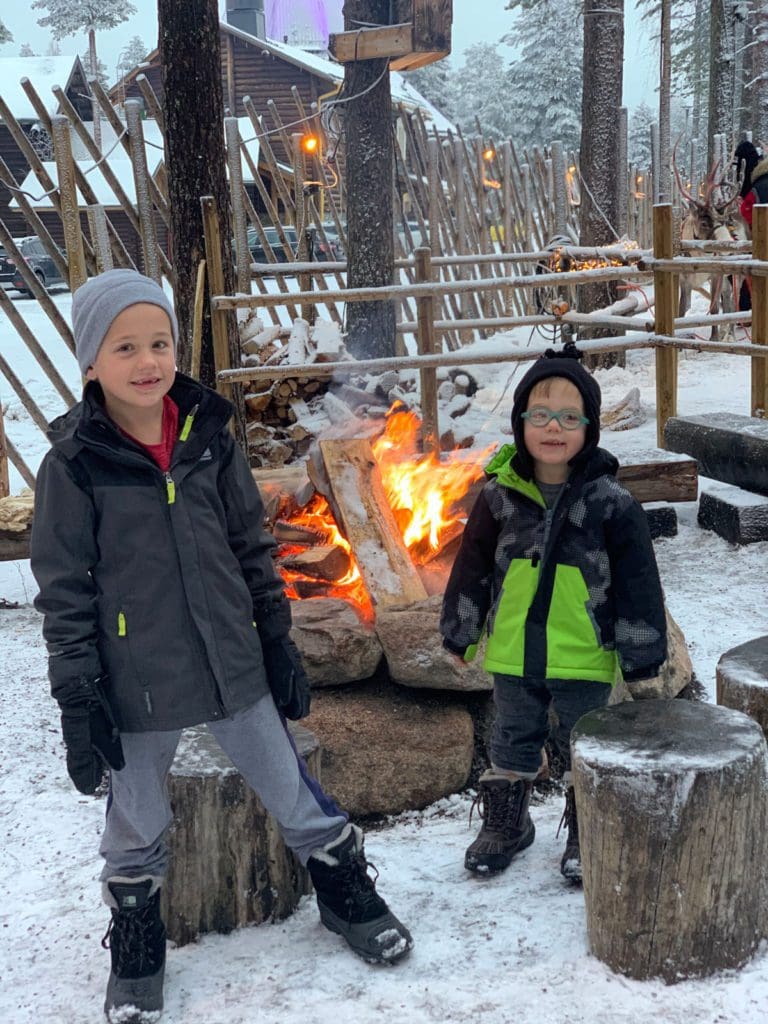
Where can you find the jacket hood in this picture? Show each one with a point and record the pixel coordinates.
(69, 431)
(503, 466)
(565, 364)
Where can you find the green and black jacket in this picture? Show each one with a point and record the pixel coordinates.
(162, 582)
(567, 593)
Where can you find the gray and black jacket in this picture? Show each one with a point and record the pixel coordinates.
(163, 583)
(567, 593)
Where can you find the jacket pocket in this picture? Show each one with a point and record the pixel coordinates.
(574, 648)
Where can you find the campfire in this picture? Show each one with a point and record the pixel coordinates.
(391, 510)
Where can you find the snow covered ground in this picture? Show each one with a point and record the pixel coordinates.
(507, 949)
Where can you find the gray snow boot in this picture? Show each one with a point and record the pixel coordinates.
(507, 827)
(349, 904)
(136, 941)
(570, 865)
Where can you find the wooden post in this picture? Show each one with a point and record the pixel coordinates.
(623, 196)
(306, 281)
(5, 483)
(70, 207)
(239, 226)
(460, 216)
(559, 189)
(97, 222)
(197, 322)
(759, 311)
(666, 292)
(215, 272)
(425, 341)
(141, 178)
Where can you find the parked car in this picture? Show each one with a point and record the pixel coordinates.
(258, 255)
(37, 257)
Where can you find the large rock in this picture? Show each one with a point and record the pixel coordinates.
(676, 672)
(413, 647)
(337, 646)
(383, 753)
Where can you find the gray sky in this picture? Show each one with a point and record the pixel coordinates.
(474, 21)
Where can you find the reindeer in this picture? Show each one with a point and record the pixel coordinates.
(707, 221)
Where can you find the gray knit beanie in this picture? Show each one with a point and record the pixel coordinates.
(97, 303)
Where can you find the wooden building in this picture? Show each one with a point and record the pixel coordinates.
(43, 73)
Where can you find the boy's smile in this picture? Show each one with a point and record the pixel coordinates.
(136, 366)
(551, 447)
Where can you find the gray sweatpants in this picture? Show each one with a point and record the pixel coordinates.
(257, 742)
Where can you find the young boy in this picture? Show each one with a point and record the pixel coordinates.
(162, 609)
(556, 566)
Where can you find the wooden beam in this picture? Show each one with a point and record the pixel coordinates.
(370, 43)
(364, 515)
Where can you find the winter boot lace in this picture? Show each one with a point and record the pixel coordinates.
(507, 827)
(349, 904)
(136, 941)
(570, 865)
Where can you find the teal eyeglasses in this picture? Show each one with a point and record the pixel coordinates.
(569, 419)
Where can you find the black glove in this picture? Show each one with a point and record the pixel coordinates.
(287, 678)
(90, 734)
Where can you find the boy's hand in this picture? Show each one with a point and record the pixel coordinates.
(90, 735)
(286, 677)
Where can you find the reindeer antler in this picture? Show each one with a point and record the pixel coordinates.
(683, 191)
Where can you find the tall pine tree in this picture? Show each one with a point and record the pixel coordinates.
(5, 35)
(544, 100)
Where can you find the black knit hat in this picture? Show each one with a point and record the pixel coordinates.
(567, 364)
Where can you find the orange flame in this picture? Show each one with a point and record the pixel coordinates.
(423, 490)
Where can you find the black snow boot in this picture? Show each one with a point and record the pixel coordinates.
(136, 941)
(507, 826)
(570, 865)
(349, 904)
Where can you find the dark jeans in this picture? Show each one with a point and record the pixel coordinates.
(522, 725)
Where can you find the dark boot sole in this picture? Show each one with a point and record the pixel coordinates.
(495, 863)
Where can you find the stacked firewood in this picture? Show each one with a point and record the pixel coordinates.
(284, 415)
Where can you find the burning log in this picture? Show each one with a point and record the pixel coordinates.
(323, 561)
(295, 533)
(363, 511)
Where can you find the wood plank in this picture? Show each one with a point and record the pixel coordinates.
(661, 481)
(368, 43)
(364, 515)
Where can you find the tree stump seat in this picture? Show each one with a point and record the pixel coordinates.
(229, 866)
(736, 515)
(742, 680)
(672, 807)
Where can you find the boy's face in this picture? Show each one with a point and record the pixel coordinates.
(552, 447)
(136, 365)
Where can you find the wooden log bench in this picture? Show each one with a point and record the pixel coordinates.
(229, 866)
(673, 819)
(736, 515)
(727, 447)
(742, 680)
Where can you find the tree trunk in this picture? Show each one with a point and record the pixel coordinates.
(601, 103)
(194, 146)
(701, 26)
(759, 80)
(720, 77)
(369, 156)
(671, 800)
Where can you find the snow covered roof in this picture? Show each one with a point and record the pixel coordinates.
(121, 168)
(43, 73)
(332, 71)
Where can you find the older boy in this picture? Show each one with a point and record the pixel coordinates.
(162, 609)
(556, 566)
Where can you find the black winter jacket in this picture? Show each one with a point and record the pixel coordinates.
(567, 593)
(157, 581)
